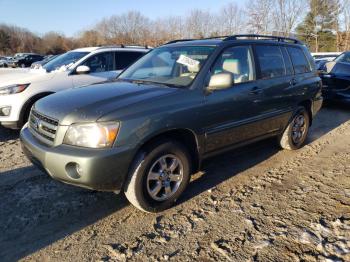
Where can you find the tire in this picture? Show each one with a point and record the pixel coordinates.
(295, 134)
(146, 176)
(23, 65)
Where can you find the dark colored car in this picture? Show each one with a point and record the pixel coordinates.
(25, 61)
(336, 79)
(147, 132)
(45, 60)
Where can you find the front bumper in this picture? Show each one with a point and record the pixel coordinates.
(101, 169)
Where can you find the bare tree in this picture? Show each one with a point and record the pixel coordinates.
(199, 24)
(230, 20)
(259, 16)
(287, 14)
(166, 29)
(346, 22)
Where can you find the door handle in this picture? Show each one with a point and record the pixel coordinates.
(256, 90)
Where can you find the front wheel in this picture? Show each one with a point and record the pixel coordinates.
(159, 176)
(296, 132)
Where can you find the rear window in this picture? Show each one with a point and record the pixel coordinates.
(124, 59)
(300, 63)
(271, 61)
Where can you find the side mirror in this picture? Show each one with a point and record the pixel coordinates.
(220, 81)
(82, 70)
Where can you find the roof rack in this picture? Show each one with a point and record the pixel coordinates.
(264, 37)
(236, 37)
(125, 46)
(193, 39)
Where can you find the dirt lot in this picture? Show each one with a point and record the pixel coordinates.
(252, 204)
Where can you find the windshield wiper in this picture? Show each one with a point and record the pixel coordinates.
(141, 81)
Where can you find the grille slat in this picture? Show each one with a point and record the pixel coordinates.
(42, 127)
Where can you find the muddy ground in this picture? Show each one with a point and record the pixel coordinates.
(253, 204)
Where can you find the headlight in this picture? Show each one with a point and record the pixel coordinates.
(13, 89)
(93, 135)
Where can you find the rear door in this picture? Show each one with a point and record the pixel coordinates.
(305, 84)
(276, 80)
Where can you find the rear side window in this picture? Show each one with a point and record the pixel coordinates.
(124, 59)
(300, 63)
(271, 61)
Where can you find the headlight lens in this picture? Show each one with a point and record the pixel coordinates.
(92, 135)
(13, 89)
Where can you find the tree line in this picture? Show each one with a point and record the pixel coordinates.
(324, 25)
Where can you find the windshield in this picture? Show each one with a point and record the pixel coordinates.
(66, 60)
(172, 66)
(344, 58)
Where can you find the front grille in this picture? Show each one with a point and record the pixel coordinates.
(42, 127)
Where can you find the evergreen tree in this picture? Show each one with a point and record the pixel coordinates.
(320, 26)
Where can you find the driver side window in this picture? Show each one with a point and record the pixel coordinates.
(100, 63)
(238, 62)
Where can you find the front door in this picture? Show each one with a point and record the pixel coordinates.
(229, 114)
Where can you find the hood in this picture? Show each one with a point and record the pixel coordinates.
(88, 104)
(24, 77)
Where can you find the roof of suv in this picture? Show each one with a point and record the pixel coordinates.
(249, 37)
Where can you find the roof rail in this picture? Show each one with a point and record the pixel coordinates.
(179, 40)
(264, 37)
(193, 39)
(236, 37)
(124, 46)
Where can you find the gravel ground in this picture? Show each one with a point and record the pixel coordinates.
(252, 204)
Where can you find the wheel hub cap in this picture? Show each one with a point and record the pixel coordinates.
(164, 177)
(298, 129)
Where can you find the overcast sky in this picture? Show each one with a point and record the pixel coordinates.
(71, 16)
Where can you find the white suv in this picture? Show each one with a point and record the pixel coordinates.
(76, 68)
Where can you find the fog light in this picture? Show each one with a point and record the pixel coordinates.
(74, 170)
(5, 111)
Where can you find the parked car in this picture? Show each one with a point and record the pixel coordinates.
(39, 64)
(17, 55)
(4, 60)
(148, 131)
(76, 68)
(336, 79)
(25, 60)
(329, 56)
(321, 58)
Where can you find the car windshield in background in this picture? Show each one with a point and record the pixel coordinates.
(66, 60)
(172, 66)
(343, 58)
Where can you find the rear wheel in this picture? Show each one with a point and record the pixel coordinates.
(159, 176)
(296, 132)
(23, 65)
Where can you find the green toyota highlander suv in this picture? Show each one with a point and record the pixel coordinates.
(149, 130)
